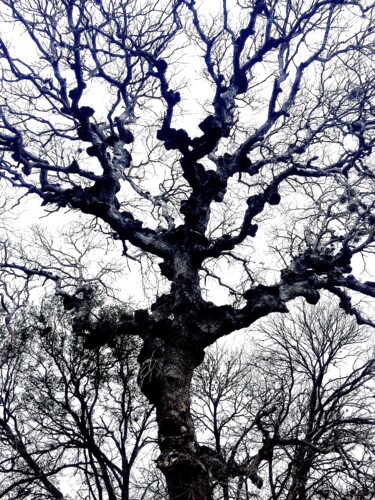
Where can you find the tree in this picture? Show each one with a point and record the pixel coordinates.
(304, 394)
(283, 131)
(68, 414)
(325, 422)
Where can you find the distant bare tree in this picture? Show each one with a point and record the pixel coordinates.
(227, 146)
(324, 427)
(69, 416)
(304, 398)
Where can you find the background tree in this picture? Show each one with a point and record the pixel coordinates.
(304, 396)
(72, 420)
(282, 132)
(323, 429)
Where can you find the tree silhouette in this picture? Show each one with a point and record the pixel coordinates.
(303, 393)
(69, 416)
(274, 165)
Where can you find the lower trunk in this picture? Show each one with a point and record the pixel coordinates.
(125, 486)
(186, 483)
(165, 378)
(297, 490)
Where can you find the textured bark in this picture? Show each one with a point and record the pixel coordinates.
(172, 349)
(165, 378)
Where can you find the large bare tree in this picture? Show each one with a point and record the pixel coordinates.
(228, 143)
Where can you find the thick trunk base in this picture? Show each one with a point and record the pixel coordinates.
(186, 481)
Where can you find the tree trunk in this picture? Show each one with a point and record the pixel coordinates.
(165, 378)
(302, 466)
(125, 486)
